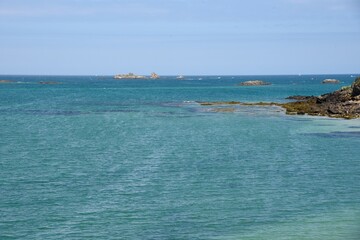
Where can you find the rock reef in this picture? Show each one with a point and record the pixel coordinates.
(254, 83)
(299, 97)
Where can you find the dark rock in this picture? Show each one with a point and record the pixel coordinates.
(341, 95)
(356, 87)
(300, 98)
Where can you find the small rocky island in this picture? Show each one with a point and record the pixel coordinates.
(343, 103)
(134, 76)
(330, 81)
(6, 81)
(129, 76)
(254, 83)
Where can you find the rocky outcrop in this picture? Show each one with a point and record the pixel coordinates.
(154, 76)
(356, 87)
(128, 76)
(6, 81)
(299, 97)
(254, 83)
(134, 76)
(343, 103)
(330, 81)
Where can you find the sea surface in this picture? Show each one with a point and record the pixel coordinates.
(98, 158)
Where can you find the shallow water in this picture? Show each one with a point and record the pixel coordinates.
(97, 158)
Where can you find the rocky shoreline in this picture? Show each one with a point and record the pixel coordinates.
(343, 103)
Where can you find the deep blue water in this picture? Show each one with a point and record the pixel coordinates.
(97, 158)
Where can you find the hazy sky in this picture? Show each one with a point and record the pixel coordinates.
(179, 36)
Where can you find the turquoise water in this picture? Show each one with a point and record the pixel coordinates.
(97, 158)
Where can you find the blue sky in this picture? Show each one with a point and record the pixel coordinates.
(179, 36)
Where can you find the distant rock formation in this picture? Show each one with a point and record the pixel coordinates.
(129, 76)
(154, 76)
(6, 81)
(331, 81)
(254, 83)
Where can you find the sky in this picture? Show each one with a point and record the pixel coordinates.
(172, 37)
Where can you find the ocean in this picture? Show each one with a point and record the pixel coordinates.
(98, 158)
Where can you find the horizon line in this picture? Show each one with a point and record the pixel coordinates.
(171, 75)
